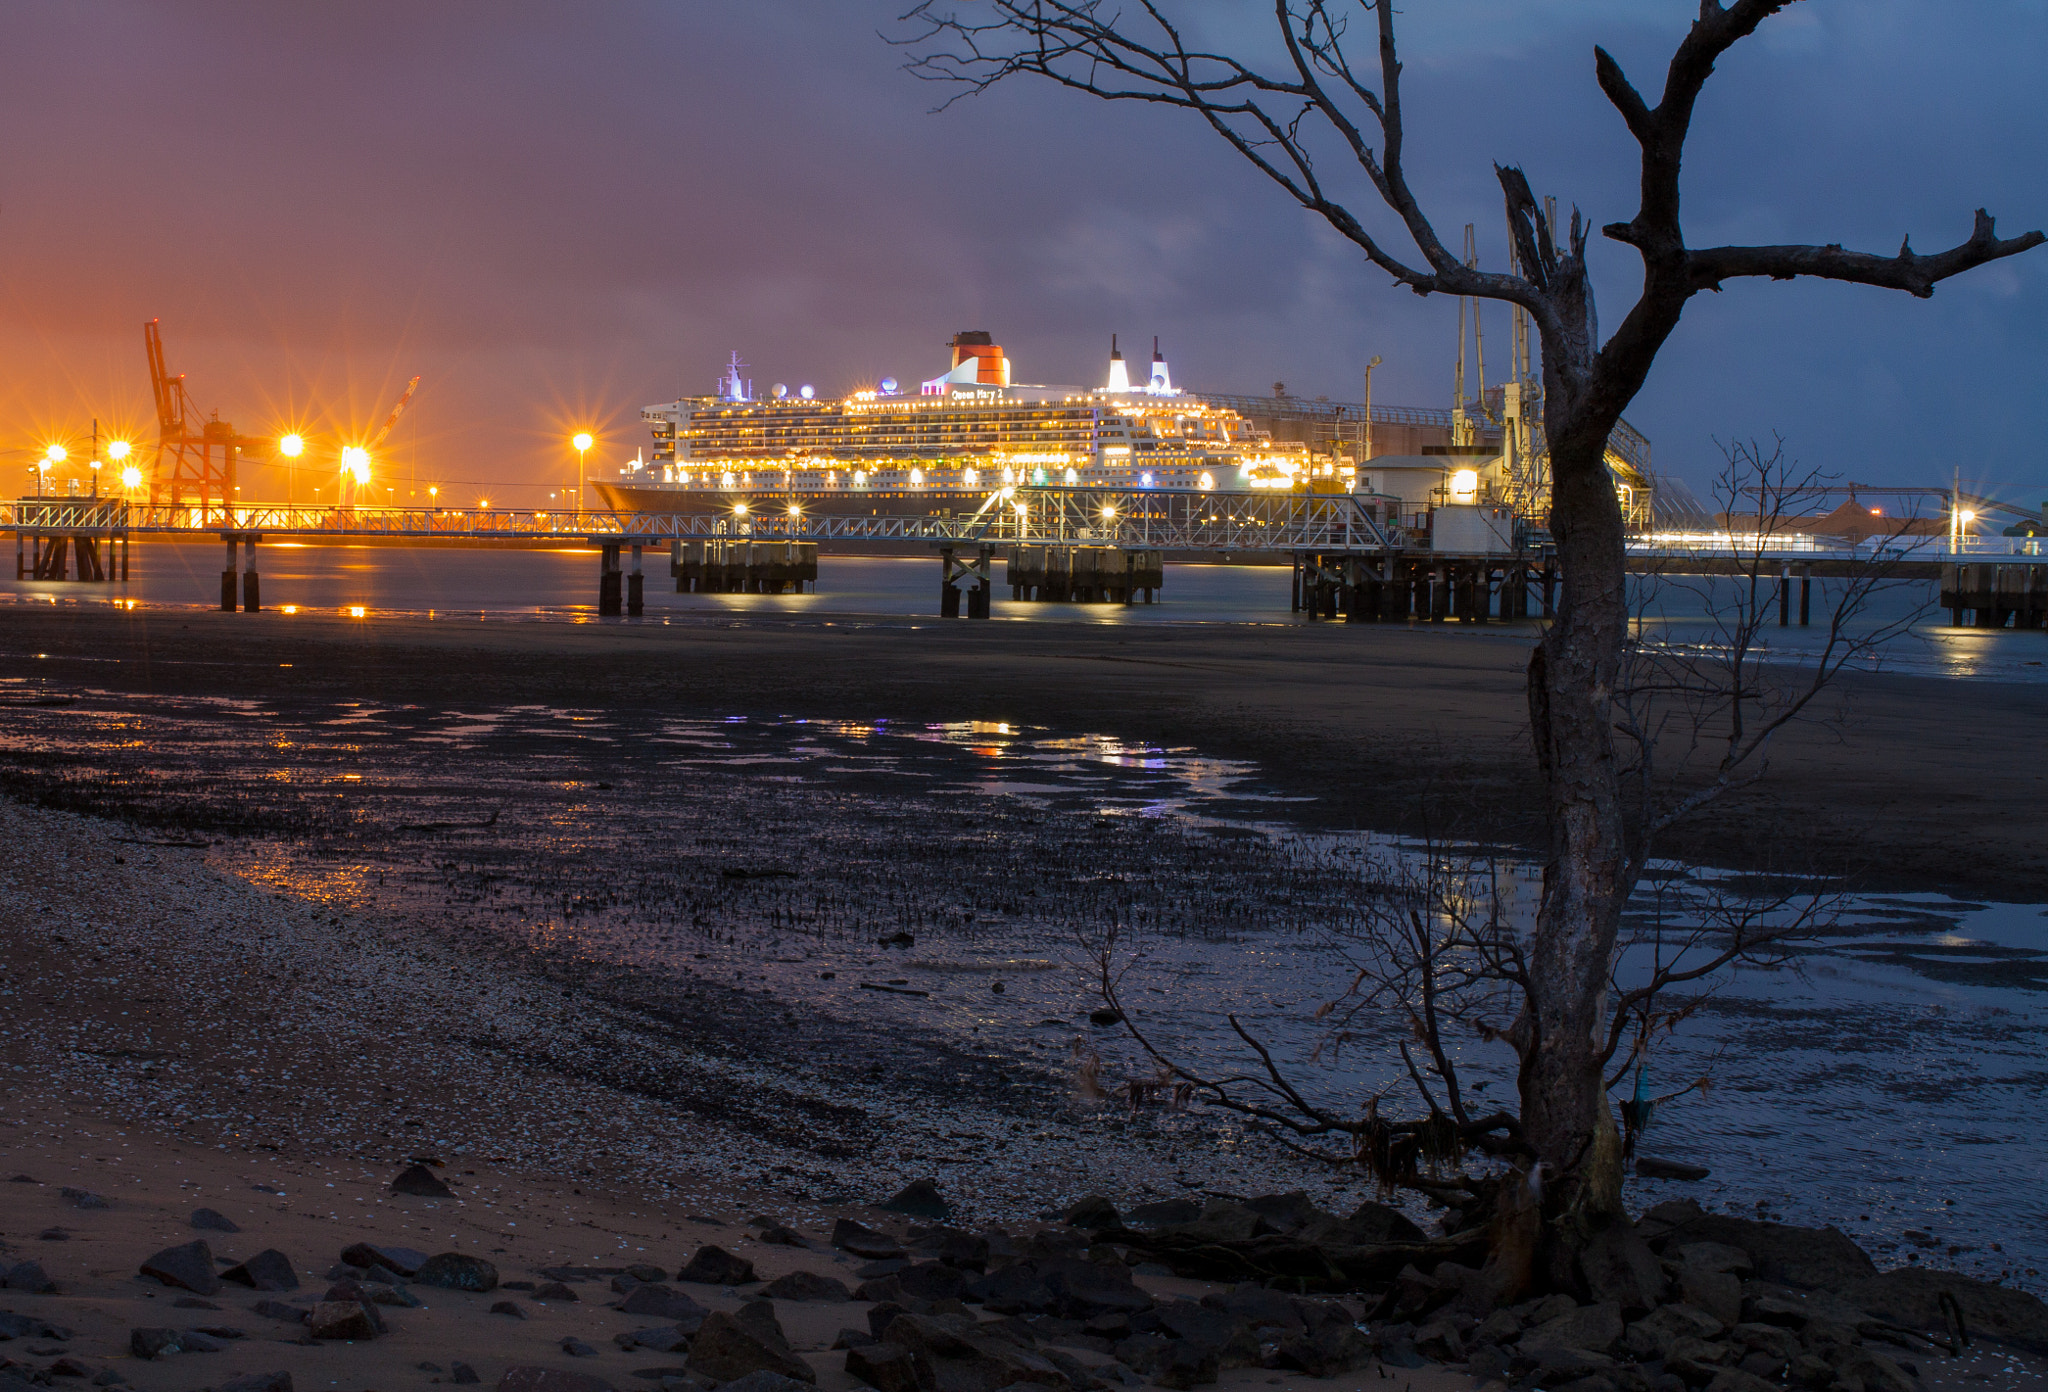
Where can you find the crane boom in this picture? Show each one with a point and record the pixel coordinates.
(396, 412)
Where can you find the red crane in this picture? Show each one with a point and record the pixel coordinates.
(193, 468)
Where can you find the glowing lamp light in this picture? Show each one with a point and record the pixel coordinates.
(1108, 512)
(292, 446)
(795, 511)
(355, 462)
(1206, 482)
(1464, 482)
(483, 502)
(1967, 515)
(739, 509)
(56, 454)
(582, 441)
(118, 449)
(131, 477)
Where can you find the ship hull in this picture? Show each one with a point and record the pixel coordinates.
(774, 502)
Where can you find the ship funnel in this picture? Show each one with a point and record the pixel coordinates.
(982, 355)
(1119, 375)
(1162, 380)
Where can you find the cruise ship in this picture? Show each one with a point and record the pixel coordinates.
(951, 443)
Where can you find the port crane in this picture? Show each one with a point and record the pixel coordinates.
(193, 466)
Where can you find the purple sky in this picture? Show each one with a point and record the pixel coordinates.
(558, 213)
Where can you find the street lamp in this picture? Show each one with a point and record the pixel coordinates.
(1368, 404)
(582, 441)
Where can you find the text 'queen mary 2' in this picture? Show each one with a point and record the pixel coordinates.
(946, 448)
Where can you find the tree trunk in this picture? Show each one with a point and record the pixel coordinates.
(1572, 674)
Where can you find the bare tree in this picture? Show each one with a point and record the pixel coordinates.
(1288, 119)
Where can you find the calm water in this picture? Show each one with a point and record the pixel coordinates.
(1890, 1079)
(562, 586)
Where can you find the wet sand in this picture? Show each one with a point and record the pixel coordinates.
(1897, 783)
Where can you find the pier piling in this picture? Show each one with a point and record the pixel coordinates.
(634, 581)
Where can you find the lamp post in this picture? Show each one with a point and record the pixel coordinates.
(1368, 405)
(582, 442)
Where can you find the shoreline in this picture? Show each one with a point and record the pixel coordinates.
(1898, 784)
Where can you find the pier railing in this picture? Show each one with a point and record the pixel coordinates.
(1156, 519)
(1244, 522)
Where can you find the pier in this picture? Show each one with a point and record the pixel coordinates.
(1350, 558)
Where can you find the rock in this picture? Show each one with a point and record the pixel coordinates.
(406, 1261)
(527, 1377)
(53, 1235)
(1373, 1224)
(1226, 1222)
(199, 1341)
(213, 1220)
(765, 1381)
(109, 1378)
(1560, 1364)
(1324, 1352)
(776, 1235)
(1912, 1296)
(665, 1338)
(920, 1199)
(421, 1183)
(457, 1271)
(576, 1348)
(188, 1266)
(1165, 1213)
(880, 1316)
(1812, 1258)
(1653, 1335)
(1716, 1292)
(84, 1198)
(642, 1271)
(1093, 1213)
(714, 1266)
(953, 1246)
(28, 1277)
(398, 1296)
(1084, 1288)
(268, 1270)
(664, 1302)
(257, 1382)
(1500, 1327)
(461, 1374)
(1809, 1371)
(1594, 1327)
(508, 1307)
(728, 1347)
(1712, 1256)
(1618, 1266)
(1652, 1167)
(1224, 1333)
(1874, 1371)
(1014, 1290)
(1696, 1360)
(886, 1367)
(153, 1343)
(951, 1354)
(1737, 1380)
(806, 1285)
(341, 1319)
(854, 1338)
(932, 1281)
(1289, 1212)
(1167, 1362)
(849, 1236)
(278, 1310)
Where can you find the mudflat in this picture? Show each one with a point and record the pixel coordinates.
(1894, 782)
